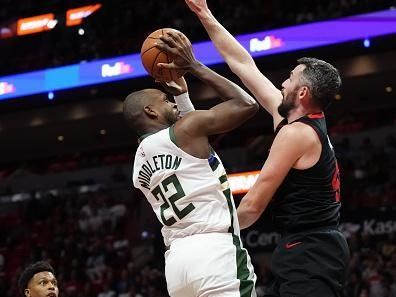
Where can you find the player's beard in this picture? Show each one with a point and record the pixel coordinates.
(288, 104)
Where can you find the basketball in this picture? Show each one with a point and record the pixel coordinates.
(151, 56)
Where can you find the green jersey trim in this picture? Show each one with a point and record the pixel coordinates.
(146, 135)
(172, 134)
(243, 274)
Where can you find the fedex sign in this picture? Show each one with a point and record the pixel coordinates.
(118, 68)
(6, 88)
(269, 42)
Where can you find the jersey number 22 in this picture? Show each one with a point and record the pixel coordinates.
(171, 201)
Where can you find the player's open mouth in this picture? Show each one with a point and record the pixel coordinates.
(51, 295)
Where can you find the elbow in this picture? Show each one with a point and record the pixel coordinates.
(248, 214)
(255, 211)
(248, 107)
(240, 61)
(241, 64)
(253, 107)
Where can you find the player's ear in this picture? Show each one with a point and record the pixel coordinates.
(27, 292)
(148, 109)
(304, 91)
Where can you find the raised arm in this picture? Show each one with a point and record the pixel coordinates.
(239, 60)
(238, 106)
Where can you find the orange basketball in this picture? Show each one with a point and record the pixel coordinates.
(151, 56)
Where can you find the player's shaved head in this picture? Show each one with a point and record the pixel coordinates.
(134, 105)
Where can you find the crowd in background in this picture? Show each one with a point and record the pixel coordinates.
(120, 27)
(249, 144)
(92, 239)
(106, 242)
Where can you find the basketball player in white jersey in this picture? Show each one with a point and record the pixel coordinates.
(186, 184)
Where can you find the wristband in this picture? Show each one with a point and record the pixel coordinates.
(184, 104)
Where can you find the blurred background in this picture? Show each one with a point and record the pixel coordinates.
(66, 193)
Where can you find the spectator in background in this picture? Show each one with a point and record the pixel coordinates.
(132, 292)
(353, 287)
(107, 291)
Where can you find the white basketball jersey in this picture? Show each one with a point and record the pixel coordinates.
(189, 195)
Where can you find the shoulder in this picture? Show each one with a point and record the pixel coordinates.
(194, 122)
(298, 133)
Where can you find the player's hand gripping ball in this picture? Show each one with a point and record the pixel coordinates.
(151, 56)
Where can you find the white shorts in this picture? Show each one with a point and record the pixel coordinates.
(209, 265)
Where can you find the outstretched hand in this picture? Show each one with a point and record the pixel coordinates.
(180, 48)
(197, 6)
